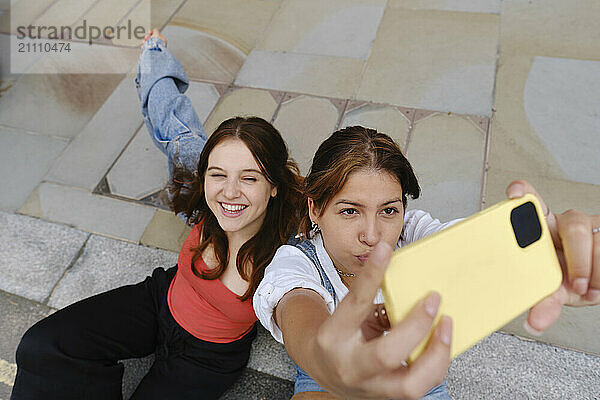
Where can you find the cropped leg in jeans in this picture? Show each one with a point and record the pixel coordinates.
(74, 353)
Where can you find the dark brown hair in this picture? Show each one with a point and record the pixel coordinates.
(282, 217)
(346, 151)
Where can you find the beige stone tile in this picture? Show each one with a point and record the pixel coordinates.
(237, 22)
(165, 231)
(552, 28)
(89, 156)
(64, 13)
(243, 102)
(577, 328)
(204, 56)
(341, 28)
(55, 104)
(560, 195)
(437, 60)
(140, 16)
(107, 12)
(86, 59)
(447, 155)
(390, 120)
(317, 75)
(482, 6)
(163, 10)
(23, 13)
(141, 170)
(24, 160)
(304, 122)
(546, 119)
(83, 210)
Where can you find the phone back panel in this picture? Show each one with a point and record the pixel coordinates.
(484, 277)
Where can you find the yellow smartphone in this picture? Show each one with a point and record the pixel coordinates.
(488, 268)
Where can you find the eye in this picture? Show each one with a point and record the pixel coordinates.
(214, 175)
(349, 211)
(390, 211)
(250, 179)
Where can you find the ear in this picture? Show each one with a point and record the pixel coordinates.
(274, 191)
(313, 211)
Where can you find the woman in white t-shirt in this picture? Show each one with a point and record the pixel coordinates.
(357, 192)
(356, 195)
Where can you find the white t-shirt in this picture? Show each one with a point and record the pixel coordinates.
(291, 268)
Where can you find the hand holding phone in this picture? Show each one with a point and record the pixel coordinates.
(488, 268)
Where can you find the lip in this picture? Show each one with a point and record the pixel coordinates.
(232, 214)
(363, 258)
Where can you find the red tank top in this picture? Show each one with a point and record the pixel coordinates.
(206, 308)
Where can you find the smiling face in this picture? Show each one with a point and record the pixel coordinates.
(366, 210)
(236, 190)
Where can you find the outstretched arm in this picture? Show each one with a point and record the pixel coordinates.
(169, 116)
(338, 353)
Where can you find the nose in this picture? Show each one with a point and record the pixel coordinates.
(370, 233)
(231, 189)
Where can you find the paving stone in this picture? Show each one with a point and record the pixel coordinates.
(447, 154)
(106, 264)
(64, 13)
(237, 22)
(24, 160)
(483, 6)
(386, 119)
(203, 55)
(107, 134)
(435, 60)
(35, 254)
(243, 102)
(560, 195)
(87, 211)
(270, 357)
(546, 119)
(256, 385)
(304, 134)
(302, 73)
(339, 28)
(505, 367)
(18, 314)
(551, 28)
(141, 170)
(165, 231)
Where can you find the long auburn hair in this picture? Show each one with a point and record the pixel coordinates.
(282, 216)
(346, 151)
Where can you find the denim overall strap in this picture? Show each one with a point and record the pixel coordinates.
(305, 383)
(310, 251)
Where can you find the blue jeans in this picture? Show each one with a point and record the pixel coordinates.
(305, 383)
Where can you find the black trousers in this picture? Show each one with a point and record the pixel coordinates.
(74, 353)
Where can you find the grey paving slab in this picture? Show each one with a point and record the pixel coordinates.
(55, 104)
(34, 254)
(447, 154)
(506, 367)
(270, 357)
(18, 314)
(94, 213)
(24, 160)
(92, 152)
(141, 170)
(256, 385)
(106, 264)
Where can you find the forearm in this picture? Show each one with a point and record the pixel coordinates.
(299, 315)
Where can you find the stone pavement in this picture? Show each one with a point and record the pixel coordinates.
(46, 266)
(477, 93)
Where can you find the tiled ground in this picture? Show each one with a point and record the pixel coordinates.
(476, 92)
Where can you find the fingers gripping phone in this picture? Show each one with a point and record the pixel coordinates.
(488, 268)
